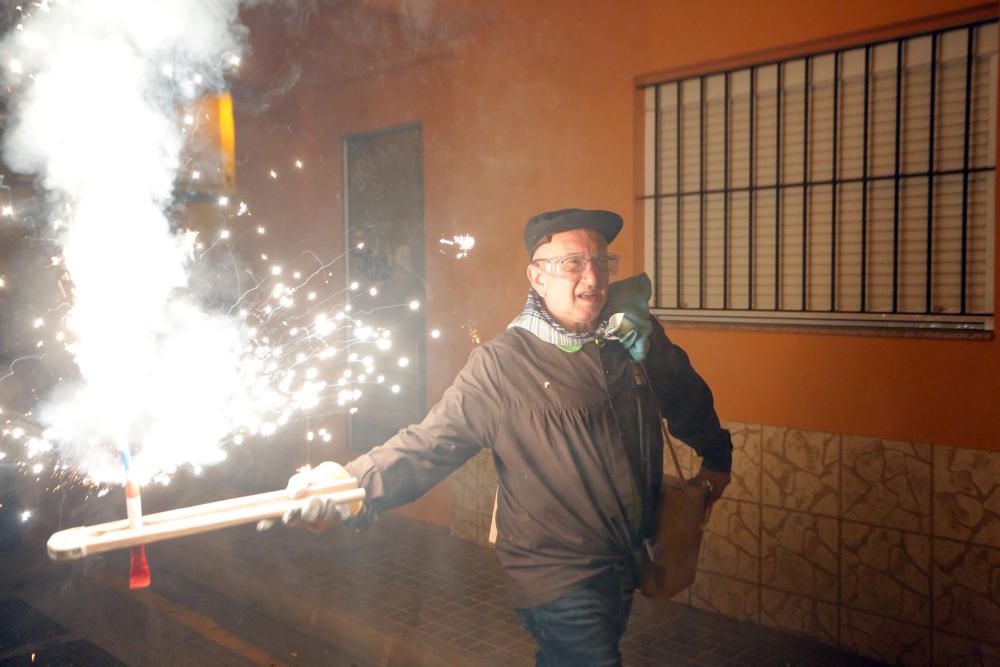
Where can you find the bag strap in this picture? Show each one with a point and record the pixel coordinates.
(667, 440)
(670, 445)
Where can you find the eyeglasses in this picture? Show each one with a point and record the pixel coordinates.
(574, 265)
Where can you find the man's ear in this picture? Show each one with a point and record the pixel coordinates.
(536, 278)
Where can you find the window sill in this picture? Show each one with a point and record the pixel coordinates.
(827, 330)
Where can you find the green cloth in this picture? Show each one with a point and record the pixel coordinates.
(628, 304)
(630, 299)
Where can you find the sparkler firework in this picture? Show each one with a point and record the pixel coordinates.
(158, 380)
(109, 169)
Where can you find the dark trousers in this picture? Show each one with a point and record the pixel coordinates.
(583, 628)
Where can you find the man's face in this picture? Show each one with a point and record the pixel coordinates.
(574, 300)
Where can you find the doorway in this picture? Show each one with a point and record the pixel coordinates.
(385, 241)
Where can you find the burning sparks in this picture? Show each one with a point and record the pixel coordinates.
(143, 367)
(133, 340)
(283, 368)
(462, 243)
(474, 334)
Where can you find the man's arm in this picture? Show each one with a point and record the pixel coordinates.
(421, 455)
(687, 403)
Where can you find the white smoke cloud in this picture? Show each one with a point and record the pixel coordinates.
(94, 113)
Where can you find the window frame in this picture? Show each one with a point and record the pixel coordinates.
(651, 195)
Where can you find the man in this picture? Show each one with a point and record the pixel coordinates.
(569, 399)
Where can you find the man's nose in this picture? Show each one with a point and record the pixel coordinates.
(589, 275)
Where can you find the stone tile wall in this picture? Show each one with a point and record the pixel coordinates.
(473, 492)
(888, 549)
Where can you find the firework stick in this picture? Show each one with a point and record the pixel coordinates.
(85, 540)
(139, 574)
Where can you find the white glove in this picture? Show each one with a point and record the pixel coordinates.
(316, 513)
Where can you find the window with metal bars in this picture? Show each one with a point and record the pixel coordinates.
(849, 188)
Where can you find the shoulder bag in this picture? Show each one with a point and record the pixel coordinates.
(670, 558)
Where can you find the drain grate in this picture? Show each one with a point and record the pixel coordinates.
(78, 653)
(20, 624)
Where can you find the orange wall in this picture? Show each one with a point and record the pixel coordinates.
(533, 108)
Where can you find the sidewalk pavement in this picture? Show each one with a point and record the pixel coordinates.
(405, 592)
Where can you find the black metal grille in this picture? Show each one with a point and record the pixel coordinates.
(881, 200)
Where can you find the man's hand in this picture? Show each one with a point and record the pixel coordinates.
(317, 513)
(714, 481)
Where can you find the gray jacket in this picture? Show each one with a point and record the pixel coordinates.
(577, 447)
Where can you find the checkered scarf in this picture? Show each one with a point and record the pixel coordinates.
(536, 319)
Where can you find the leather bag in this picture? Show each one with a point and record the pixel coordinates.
(670, 560)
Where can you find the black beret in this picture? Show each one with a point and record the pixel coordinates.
(543, 225)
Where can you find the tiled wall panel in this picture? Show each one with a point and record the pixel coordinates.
(730, 545)
(801, 470)
(887, 483)
(468, 486)
(967, 495)
(886, 572)
(967, 590)
(799, 614)
(799, 553)
(747, 450)
(732, 597)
